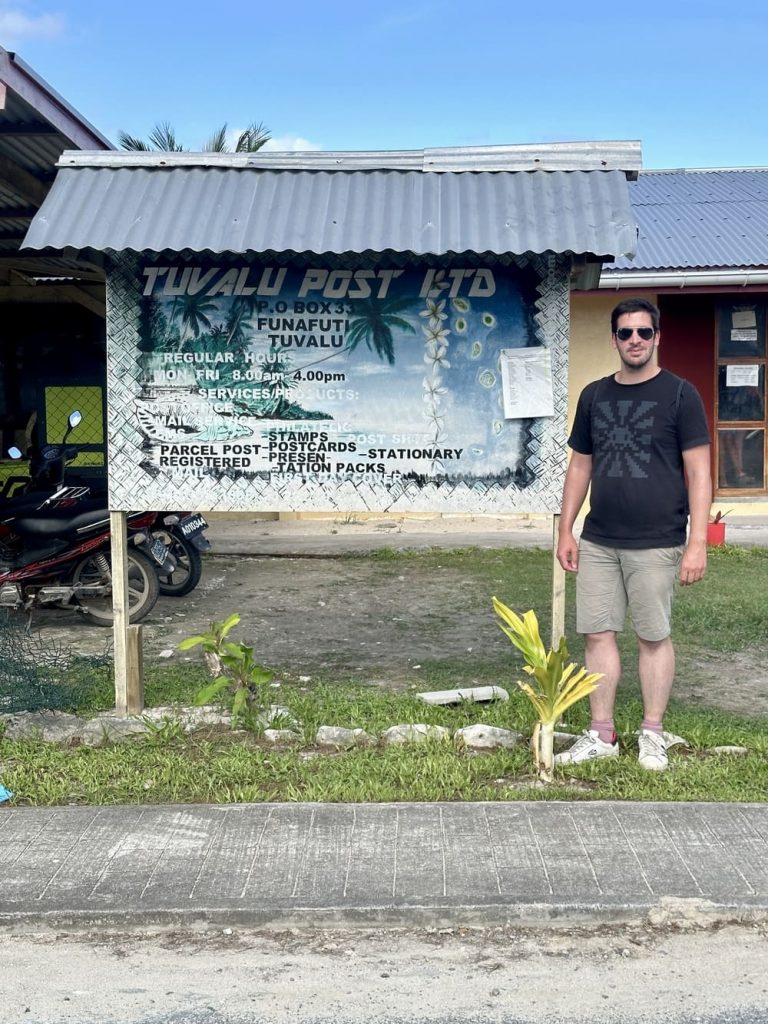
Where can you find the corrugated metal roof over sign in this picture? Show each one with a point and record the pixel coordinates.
(692, 219)
(431, 203)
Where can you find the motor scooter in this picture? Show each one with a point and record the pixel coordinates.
(183, 533)
(174, 542)
(60, 557)
(55, 543)
(45, 476)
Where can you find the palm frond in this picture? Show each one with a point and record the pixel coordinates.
(534, 698)
(382, 342)
(163, 137)
(359, 331)
(404, 325)
(522, 632)
(253, 138)
(131, 143)
(217, 143)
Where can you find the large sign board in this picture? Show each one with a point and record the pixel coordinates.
(261, 386)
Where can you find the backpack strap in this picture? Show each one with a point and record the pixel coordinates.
(592, 404)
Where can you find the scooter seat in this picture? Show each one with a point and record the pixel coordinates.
(52, 525)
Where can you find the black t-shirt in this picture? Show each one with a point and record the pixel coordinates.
(636, 434)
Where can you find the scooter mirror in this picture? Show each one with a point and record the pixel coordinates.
(15, 453)
(75, 418)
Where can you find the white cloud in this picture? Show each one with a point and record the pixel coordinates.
(289, 144)
(16, 26)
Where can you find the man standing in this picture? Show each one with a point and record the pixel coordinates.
(640, 439)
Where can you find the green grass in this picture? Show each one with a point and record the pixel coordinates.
(238, 769)
(726, 614)
(728, 610)
(221, 766)
(93, 685)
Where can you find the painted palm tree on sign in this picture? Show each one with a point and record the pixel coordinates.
(194, 312)
(238, 319)
(163, 138)
(373, 321)
(279, 382)
(218, 336)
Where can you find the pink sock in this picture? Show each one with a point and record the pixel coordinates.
(604, 729)
(649, 726)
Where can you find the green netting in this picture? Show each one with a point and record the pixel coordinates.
(89, 434)
(32, 669)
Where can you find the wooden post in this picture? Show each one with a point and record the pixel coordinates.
(118, 529)
(135, 662)
(558, 589)
(129, 679)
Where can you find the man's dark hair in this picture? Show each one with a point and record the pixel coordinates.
(635, 306)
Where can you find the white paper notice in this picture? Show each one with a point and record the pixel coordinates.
(526, 380)
(743, 318)
(744, 334)
(742, 376)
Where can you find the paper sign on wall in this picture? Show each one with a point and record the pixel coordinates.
(739, 376)
(744, 324)
(526, 375)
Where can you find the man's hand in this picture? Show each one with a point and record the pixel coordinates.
(568, 552)
(694, 563)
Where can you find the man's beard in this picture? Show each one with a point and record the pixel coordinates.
(637, 365)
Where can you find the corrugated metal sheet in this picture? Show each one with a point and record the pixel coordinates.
(28, 139)
(699, 220)
(244, 209)
(553, 156)
(714, 185)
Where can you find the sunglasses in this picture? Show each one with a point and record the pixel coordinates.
(625, 333)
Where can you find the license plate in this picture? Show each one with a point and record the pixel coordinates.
(192, 525)
(159, 550)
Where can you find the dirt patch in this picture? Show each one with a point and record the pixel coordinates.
(361, 617)
(372, 619)
(736, 682)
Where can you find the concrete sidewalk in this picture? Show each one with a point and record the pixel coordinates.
(243, 534)
(448, 864)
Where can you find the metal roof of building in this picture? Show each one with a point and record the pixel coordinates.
(36, 127)
(698, 219)
(495, 200)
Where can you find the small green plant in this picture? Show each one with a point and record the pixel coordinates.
(164, 732)
(559, 684)
(212, 642)
(350, 519)
(281, 720)
(233, 669)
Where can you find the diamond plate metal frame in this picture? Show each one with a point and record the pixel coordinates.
(136, 484)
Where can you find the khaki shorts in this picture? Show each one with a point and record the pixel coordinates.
(610, 580)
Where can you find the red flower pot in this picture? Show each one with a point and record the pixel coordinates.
(716, 534)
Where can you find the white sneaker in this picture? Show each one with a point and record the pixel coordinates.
(653, 751)
(587, 748)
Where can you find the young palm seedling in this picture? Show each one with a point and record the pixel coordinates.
(557, 685)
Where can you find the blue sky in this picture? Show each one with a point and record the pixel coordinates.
(686, 77)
